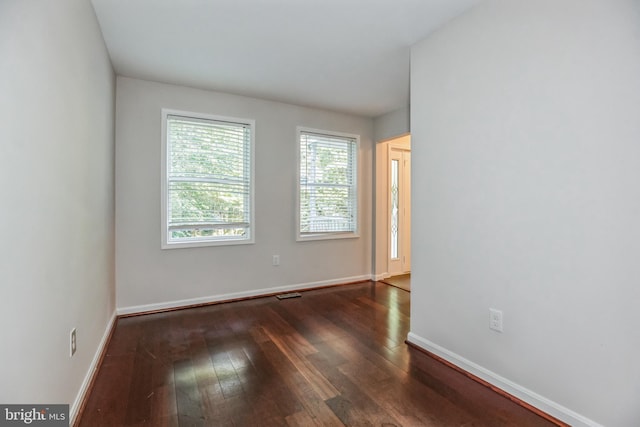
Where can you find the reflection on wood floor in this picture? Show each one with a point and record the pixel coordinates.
(402, 281)
(333, 357)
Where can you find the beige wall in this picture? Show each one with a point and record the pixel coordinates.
(148, 277)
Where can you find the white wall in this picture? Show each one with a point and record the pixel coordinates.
(57, 215)
(391, 125)
(148, 277)
(526, 129)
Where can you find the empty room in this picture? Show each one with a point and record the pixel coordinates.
(297, 213)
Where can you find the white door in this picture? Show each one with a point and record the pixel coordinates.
(399, 211)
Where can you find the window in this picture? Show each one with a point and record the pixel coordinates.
(327, 185)
(207, 177)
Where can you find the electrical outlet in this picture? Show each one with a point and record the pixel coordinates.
(276, 260)
(72, 342)
(495, 320)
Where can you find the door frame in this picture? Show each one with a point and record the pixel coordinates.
(381, 197)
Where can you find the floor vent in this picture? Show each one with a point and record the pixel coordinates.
(290, 295)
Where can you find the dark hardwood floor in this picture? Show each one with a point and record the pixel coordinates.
(402, 281)
(334, 357)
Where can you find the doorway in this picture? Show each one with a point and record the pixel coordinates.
(393, 209)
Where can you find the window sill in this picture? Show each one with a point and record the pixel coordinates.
(206, 243)
(325, 236)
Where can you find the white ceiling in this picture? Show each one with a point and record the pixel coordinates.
(345, 55)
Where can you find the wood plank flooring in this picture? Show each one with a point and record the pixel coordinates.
(333, 357)
(402, 281)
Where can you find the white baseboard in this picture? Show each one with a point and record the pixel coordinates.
(381, 276)
(137, 309)
(546, 405)
(73, 411)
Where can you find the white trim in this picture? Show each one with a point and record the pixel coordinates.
(550, 407)
(165, 244)
(356, 179)
(137, 309)
(326, 236)
(75, 407)
(380, 276)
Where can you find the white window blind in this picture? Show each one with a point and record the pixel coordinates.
(208, 175)
(328, 199)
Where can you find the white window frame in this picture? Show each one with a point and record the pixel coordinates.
(301, 237)
(213, 240)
